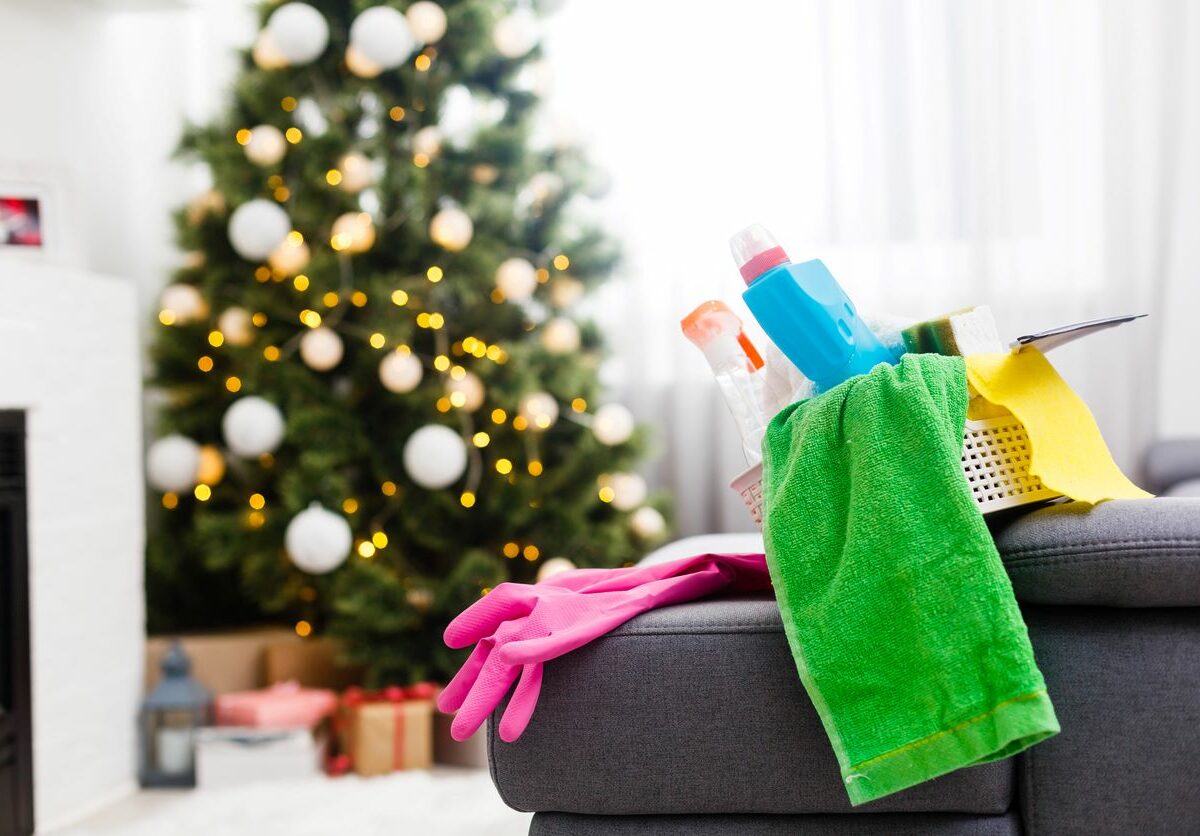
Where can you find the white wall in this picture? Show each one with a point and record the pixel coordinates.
(69, 356)
(97, 96)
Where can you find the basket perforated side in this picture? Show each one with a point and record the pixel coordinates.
(995, 461)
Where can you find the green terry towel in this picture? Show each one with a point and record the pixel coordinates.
(898, 611)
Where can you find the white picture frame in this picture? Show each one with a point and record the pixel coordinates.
(45, 188)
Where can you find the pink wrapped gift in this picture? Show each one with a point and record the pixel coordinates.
(282, 706)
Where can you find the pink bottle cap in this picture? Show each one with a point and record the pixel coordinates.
(755, 251)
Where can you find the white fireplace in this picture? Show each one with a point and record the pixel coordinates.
(69, 358)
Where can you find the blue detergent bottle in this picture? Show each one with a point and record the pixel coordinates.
(805, 312)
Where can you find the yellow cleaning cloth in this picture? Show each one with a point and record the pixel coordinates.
(1069, 454)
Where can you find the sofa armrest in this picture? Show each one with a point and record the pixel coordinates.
(1123, 553)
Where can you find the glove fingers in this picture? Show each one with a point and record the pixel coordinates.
(493, 683)
(520, 707)
(478, 621)
(452, 696)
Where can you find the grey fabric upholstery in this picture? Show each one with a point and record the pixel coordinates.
(1126, 687)
(1169, 462)
(565, 824)
(696, 709)
(1130, 553)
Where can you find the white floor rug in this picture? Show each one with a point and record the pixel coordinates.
(444, 802)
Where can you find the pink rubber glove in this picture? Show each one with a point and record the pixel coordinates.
(518, 627)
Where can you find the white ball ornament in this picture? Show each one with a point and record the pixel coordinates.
(290, 257)
(359, 65)
(266, 145)
(321, 349)
(515, 34)
(183, 303)
(516, 278)
(353, 232)
(265, 54)
(560, 335)
(172, 462)
(252, 426)
(427, 21)
(466, 392)
(235, 323)
(647, 523)
(451, 229)
(565, 291)
(629, 491)
(318, 540)
(435, 456)
(457, 116)
(400, 373)
(357, 172)
(382, 36)
(554, 566)
(539, 409)
(257, 227)
(427, 141)
(544, 185)
(298, 31)
(612, 424)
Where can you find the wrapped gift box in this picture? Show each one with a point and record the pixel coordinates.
(284, 705)
(312, 662)
(232, 756)
(389, 730)
(224, 662)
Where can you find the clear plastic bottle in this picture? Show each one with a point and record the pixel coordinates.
(735, 363)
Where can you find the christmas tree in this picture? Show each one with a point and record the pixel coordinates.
(378, 399)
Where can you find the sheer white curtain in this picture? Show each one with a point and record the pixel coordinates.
(1027, 155)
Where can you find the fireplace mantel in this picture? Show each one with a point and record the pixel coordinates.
(69, 358)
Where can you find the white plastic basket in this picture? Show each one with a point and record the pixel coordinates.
(995, 461)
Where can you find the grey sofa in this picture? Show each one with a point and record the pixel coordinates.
(691, 719)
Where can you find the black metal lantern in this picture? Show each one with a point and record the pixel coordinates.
(169, 719)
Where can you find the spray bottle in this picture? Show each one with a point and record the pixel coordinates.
(717, 331)
(805, 312)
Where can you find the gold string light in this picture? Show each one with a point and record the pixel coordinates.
(467, 499)
(561, 262)
(388, 488)
(293, 135)
(257, 501)
(350, 505)
(303, 629)
(170, 500)
(205, 363)
(399, 298)
(511, 550)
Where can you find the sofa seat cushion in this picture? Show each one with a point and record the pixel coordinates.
(1124, 553)
(696, 709)
(886, 824)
